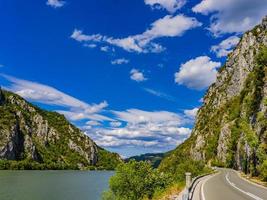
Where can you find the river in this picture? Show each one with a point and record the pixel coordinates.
(53, 185)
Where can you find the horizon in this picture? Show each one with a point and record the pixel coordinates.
(132, 82)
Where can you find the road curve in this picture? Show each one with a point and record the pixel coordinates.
(228, 185)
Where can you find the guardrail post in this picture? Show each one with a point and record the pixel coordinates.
(188, 179)
(187, 185)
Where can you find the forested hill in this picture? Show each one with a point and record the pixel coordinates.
(32, 138)
(231, 126)
(153, 158)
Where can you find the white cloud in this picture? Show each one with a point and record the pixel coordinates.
(140, 116)
(232, 16)
(197, 73)
(92, 46)
(159, 94)
(191, 113)
(115, 124)
(81, 115)
(55, 3)
(104, 48)
(93, 123)
(156, 129)
(41, 93)
(170, 5)
(225, 47)
(119, 61)
(137, 76)
(80, 37)
(168, 26)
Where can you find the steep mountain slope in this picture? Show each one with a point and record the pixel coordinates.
(231, 126)
(38, 139)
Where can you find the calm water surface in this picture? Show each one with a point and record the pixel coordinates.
(53, 185)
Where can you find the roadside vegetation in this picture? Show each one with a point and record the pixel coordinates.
(139, 181)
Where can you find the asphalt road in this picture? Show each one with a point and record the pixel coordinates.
(228, 185)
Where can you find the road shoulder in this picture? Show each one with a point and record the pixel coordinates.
(250, 181)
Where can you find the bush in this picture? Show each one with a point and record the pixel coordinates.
(263, 170)
(136, 180)
(194, 167)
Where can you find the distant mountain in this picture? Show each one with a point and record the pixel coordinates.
(153, 158)
(231, 127)
(32, 138)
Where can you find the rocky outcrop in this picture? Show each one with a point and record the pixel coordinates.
(231, 126)
(30, 134)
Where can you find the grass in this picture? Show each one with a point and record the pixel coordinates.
(170, 192)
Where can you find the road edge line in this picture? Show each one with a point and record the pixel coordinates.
(247, 180)
(240, 190)
(202, 196)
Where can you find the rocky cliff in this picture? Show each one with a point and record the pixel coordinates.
(231, 126)
(35, 138)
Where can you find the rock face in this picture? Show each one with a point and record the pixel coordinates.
(231, 126)
(30, 134)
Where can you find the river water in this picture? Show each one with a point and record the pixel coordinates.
(53, 185)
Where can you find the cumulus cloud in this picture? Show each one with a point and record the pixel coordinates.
(230, 16)
(140, 116)
(41, 93)
(197, 73)
(119, 61)
(169, 5)
(156, 129)
(55, 3)
(168, 26)
(137, 76)
(225, 47)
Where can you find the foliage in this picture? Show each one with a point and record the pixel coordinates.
(136, 180)
(194, 167)
(153, 158)
(263, 170)
(107, 160)
(164, 194)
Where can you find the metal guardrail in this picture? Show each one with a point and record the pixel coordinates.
(188, 195)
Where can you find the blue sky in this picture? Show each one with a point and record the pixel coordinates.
(130, 74)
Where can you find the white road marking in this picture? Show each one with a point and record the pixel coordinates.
(247, 193)
(202, 191)
(202, 188)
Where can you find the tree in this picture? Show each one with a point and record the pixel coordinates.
(136, 180)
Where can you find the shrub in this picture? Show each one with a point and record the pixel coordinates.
(136, 180)
(263, 170)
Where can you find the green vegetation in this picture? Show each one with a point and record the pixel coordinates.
(153, 158)
(263, 170)
(137, 180)
(33, 165)
(49, 138)
(107, 160)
